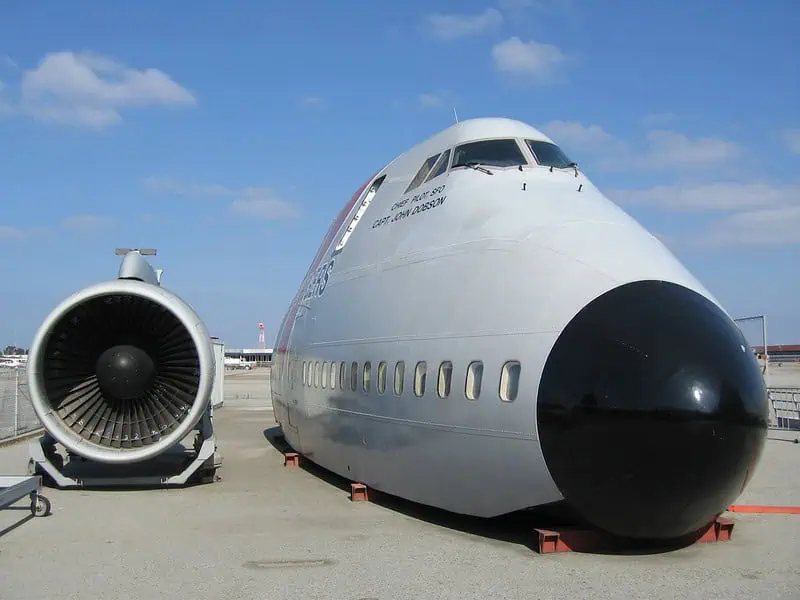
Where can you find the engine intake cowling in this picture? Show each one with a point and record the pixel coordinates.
(121, 371)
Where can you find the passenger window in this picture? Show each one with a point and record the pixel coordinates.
(440, 167)
(472, 389)
(367, 376)
(325, 375)
(422, 173)
(353, 376)
(492, 153)
(549, 155)
(305, 373)
(333, 375)
(445, 374)
(420, 374)
(382, 377)
(343, 376)
(317, 373)
(399, 376)
(509, 381)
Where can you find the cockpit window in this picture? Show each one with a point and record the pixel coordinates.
(423, 172)
(497, 153)
(549, 155)
(441, 166)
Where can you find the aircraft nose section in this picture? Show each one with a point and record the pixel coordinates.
(652, 411)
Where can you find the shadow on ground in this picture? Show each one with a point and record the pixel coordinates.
(515, 528)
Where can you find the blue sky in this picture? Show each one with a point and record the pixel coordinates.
(228, 135)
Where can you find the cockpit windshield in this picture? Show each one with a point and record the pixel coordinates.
(549, 155)
(492, 153)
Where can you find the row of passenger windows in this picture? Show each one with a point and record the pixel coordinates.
(328, 374)
(497, 153)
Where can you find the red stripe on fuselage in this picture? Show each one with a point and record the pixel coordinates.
(288, 323)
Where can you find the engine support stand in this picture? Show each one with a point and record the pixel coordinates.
(176, 466)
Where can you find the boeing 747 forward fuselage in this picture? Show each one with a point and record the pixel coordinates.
(482, 330)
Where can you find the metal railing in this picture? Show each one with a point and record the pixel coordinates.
(17, 416)
(784, 406)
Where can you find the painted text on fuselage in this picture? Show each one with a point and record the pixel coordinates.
(412, 205)
(319, 280)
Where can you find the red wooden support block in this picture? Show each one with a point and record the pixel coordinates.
(590, 540)
(724, 529)
(548, 541)
(291, 459)
(358, 492)
(720, 530)
(572, 540)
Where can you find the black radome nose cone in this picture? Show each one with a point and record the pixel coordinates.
(125, 372)
(652, 411)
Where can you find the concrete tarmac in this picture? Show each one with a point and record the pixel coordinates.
(266, 531)
(782, 375)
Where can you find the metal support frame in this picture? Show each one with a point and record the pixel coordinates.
(14, 489)
(200, 464)
(764, 334)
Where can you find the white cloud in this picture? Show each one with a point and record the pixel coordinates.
(791, 138)
(264, 208)
(441, 99)
(430, 100)
(669, 149)
(711, 197)
(450, 27)
(660, 149)
(260, 202)
(12, 234)
(541, 5)
(6, 108)
(311, 102)
(530, 59)
(582, 137)
(520, 4)
(765, 227)
(90, 90)
(759, 214)
(79, 224)
(15, 234)
(87, 223)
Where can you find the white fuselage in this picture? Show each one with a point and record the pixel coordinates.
(465, 267)
(498, 335)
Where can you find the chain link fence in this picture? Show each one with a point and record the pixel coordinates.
(17, 416)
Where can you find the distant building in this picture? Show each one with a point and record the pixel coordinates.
(259, 356)
(780, 352)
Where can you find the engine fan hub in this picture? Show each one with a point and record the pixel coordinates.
(125, 372)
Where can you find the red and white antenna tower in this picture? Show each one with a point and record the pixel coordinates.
(261, 340)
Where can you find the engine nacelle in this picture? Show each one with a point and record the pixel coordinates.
(123, 370)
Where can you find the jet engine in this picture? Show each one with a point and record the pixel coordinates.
(122, 370)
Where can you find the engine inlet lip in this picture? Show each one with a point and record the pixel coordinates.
(60, 431)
